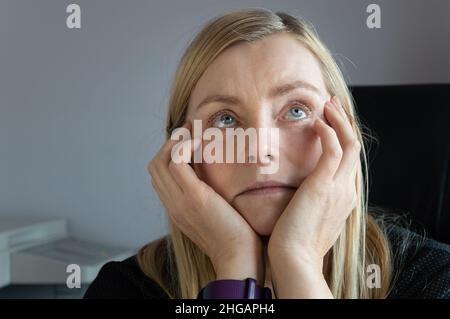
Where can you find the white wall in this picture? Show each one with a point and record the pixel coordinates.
(82, 112)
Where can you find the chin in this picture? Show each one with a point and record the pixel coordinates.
(262, 212)
(262, 215)
(263, 228)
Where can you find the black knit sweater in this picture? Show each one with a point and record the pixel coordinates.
(422, 267)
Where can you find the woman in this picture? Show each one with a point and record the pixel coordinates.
(302, 232)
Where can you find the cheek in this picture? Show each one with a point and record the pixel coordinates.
(218, 176)
(300, 147)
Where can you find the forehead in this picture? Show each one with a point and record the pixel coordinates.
(252, 69)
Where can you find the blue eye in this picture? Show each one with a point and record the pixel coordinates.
(296, 113)
(223, 120)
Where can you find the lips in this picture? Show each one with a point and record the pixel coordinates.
(267, 188)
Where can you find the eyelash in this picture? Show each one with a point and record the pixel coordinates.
(220, 113)
(293, 103)
(302, 105)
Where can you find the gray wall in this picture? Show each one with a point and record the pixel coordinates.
(82, 111)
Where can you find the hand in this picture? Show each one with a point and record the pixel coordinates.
(316, 214)
(234, 249)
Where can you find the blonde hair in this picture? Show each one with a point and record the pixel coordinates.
(174, 262)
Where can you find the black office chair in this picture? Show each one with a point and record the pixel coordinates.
(410, 166)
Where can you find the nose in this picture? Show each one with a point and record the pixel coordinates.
(266, 147)
(266, 150)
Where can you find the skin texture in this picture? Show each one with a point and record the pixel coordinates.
(249, 71)
(318, 157)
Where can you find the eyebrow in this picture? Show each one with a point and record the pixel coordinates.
(274, 92)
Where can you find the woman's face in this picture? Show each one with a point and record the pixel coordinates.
(250, 73)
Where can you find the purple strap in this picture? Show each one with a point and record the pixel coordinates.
(234, 289)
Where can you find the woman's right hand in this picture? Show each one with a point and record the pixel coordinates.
(204, 216)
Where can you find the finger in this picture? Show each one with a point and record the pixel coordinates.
(162, 193)
(160, 170)
(163, 182)
(353, 181)
(354, 173)
(353, 185)
(166, 149)
(336, 101)
(183, 173)
(331, 152)
(347, 138)
(340, 124)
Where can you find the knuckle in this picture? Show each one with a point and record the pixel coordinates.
(330, 131)
(199, 199)
(196, 201)
(175, 217)
(336, 153)
(152, 180)
(322, 187)
(171, 166)
(151, 166)
(355, 145)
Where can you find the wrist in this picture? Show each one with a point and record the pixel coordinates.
(298, 277)
(241, 267)
(296, 257)
(305, 285)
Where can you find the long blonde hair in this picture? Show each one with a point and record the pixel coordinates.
(174, 262)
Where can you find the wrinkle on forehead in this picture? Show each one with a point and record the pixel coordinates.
(250, 70)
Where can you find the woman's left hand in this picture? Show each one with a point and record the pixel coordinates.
(316, 214)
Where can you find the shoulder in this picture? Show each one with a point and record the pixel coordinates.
(421, 265)
(123, 280)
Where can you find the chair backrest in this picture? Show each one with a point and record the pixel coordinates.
(410, 166)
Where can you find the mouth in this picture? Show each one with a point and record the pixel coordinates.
(268, 188)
